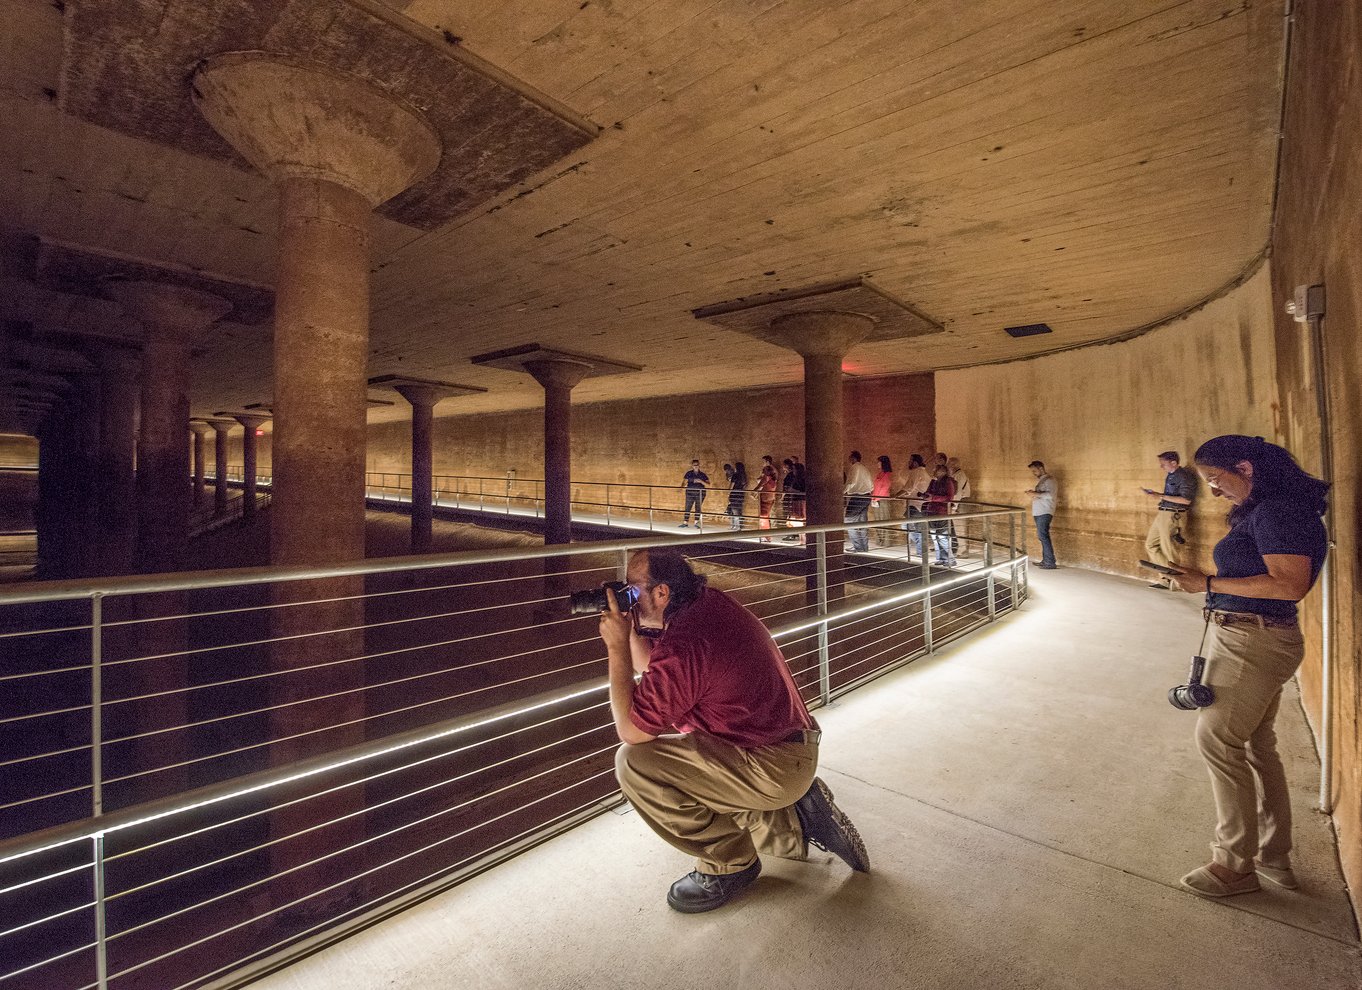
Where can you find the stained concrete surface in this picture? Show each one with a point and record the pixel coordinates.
(1029, 800)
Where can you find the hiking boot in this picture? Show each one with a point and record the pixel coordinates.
(697, 892)
(827, 827)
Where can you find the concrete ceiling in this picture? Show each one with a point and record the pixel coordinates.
(1096, 166)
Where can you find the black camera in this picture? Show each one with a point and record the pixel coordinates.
(593, 600)
(1192, 695)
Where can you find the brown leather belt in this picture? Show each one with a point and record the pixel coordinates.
(1223, 618)
(810, 736)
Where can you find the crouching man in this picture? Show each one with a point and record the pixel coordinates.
(738, 779)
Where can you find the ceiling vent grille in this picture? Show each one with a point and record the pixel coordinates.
(1029, 330)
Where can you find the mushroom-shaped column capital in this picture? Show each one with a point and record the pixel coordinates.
(168, 307)
(822, 333)
(295, 119)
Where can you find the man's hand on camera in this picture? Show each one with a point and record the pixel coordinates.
(615, 625)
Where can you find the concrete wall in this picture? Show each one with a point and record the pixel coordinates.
(1098, 416)
(652, 441)
(1319, 215)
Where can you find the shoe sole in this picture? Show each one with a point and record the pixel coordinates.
(843, 825)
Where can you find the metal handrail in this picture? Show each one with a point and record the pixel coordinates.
(897, 633)
(100, 825)
(48, 591)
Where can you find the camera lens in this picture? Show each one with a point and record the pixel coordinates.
(593, 601)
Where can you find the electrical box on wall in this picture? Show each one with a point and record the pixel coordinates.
(1307, 302)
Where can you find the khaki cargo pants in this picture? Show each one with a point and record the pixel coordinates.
(1159, 545)
(1246, 666)
(717, 802)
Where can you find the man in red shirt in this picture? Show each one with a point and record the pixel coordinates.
(739, 778)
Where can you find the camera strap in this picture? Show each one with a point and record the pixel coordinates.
(1204, 631)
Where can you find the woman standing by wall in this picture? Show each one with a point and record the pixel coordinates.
(881, 507)
(1265, 564)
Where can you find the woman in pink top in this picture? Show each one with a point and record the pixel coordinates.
(766, 498)
(880, 508)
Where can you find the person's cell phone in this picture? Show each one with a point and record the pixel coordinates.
(1159, 567)
(1147, 491)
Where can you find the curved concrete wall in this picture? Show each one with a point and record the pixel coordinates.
(652, 441)
(1315, 242)
(1098, 416)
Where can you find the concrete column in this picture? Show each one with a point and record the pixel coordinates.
(559, 378)
(174, 317)
(221, 427)
(87, 479)
(823, 340)
(422, 399)
(335, 146)
(249, 460)
(57, 518)
(200, 430)
(115, 534)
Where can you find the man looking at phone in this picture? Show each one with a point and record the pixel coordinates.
(729, 785)
(1165, 532)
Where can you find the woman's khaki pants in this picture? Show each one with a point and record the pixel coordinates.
(1246, 666)
(717, 802)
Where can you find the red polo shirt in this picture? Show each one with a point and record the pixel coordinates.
(717, 670)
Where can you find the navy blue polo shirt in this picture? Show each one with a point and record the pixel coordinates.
(1272, 527)
(1182, 483)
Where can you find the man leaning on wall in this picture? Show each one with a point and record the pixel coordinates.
(1165, 532)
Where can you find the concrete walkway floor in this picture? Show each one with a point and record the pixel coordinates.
(1029, 800)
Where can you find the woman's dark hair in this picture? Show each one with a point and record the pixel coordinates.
(670, 568)
(740, 473)
(884, 463)
(1276, 475)
(916, 461)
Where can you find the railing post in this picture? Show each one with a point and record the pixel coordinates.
(650, 508)
(97, 702)
(927, 639)
(482, 501)
(988, 562)
(824, 652)
(1012, 553)
(607, 503)
(622, 570)
(101, 928)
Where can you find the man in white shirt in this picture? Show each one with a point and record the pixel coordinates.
(858, 488)
(1043, 510)
(962, 494)
(915, 482)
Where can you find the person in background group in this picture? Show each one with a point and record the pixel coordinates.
(857, 491)
(915, 482)
(1043, 497)
(737, 494)
(941, 461)
(1165, 532)
(793, 486)
(940, 495)
(766, 497)
(881, 506)
(962, 494)
(1266, 563)
(694, 483)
